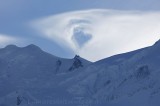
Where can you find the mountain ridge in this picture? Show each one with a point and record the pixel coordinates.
(126, 79)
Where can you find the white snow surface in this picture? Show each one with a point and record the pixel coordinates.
(32, 77)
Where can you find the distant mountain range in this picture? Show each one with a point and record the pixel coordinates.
(32, 77)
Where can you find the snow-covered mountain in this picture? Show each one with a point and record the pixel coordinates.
(32, 58)
(30, 67)
(32, 77)
(130, 79)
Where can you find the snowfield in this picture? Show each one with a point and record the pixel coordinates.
(32, 77)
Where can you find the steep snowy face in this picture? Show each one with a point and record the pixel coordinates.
(28, 71)
(21, 65)
(124, 77)
(129, 79)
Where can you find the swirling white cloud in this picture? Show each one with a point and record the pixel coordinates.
(99, 33)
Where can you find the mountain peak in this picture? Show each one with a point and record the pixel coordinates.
(32, 47)
(76, 64)
(11, 47)
(76, 56)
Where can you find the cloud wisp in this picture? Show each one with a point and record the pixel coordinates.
(6, 40)
(99, 33)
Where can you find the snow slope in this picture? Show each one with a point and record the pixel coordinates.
(31, 77)
(28, 70)
(130, 79)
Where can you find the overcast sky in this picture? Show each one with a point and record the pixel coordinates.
(94, 29)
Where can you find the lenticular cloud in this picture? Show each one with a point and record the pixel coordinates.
(96, 34)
